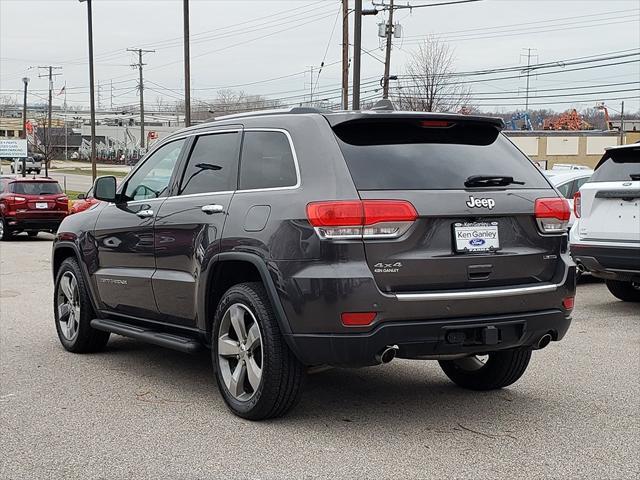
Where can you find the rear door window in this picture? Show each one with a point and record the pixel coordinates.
(36, 188)
(412, 154)
(213, 164)
(566, 189)
(267, 161)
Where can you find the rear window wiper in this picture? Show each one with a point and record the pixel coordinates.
(490, 181)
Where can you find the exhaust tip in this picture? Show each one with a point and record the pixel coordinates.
(544, 341)
(581, 268)
(388, 354)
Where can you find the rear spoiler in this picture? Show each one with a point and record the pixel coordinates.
(338, 118)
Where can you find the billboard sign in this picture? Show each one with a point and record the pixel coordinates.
(13, 148)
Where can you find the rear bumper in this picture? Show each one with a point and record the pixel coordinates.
(49, 222)
(420, 339)
(609, 262)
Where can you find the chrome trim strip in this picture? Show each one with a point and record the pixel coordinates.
(501, 292)
(204, 194)
(293, 153)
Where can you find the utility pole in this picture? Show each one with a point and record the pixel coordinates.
(528, 70)
(111, 97)
(357, 53)
(622, 124)
(187, 66)
(139, 65)
(311, 87)
(47, 143)
(387, 58)
(345, 54)
(25, 80)
(94, 171)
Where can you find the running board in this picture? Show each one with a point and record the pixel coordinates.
(148, 335)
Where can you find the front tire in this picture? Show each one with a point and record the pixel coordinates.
(625, 291)
(499, 370)
(73, 311)
(258, 376)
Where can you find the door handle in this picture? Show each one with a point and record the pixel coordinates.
(145, 213)
(209, 209)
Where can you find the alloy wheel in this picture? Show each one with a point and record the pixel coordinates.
(68, 304)
(240, 353)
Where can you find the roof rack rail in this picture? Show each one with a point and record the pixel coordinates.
(275, 111)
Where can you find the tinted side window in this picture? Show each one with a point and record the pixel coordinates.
(152, 178)
(580, 182)
(213, 164)
(565, 189)
(267, 161)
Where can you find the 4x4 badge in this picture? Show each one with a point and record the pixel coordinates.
(481, 202)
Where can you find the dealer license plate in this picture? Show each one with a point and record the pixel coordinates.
(476, 237)
(42, 205)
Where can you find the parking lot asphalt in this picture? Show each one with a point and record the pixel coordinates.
(139, 411)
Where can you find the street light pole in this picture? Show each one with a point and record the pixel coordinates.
(25, 80)
(187, 67)
(94, 171)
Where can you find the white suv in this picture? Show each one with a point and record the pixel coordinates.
(605, 240)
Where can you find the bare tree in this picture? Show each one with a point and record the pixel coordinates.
(429, 84)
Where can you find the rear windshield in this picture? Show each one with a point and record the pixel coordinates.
(618, 165)
(413, 155)
(35, 188)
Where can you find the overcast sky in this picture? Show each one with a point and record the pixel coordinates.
(239, 42)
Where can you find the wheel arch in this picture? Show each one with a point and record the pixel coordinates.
(230, 269)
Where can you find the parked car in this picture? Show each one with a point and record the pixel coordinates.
(83, 201)
(605, 239)
(32, 165)
(568, 166)
(286, 240)
(568, 183)
(30, 205)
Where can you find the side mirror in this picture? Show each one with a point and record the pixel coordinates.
(104, 189)
(81, 196)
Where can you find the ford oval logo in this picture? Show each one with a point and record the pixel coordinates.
(476, 242)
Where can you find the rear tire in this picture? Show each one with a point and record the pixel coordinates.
(258, 376)
(625, 291)
(5, 231)
(500, 369)
(73, 311)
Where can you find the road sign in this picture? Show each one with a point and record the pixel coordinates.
(13, 148)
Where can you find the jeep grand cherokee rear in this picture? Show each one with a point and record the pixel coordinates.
(286, 240)
(454, 245)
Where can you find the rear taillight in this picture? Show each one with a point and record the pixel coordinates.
(63, 201)
(577, 204)
(552, 214)
(13, 202)
(354, 219)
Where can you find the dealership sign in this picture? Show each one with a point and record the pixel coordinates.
(13, 148)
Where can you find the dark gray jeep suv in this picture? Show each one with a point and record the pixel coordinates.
(285, 240)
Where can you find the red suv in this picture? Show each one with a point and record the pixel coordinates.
(31, 205)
